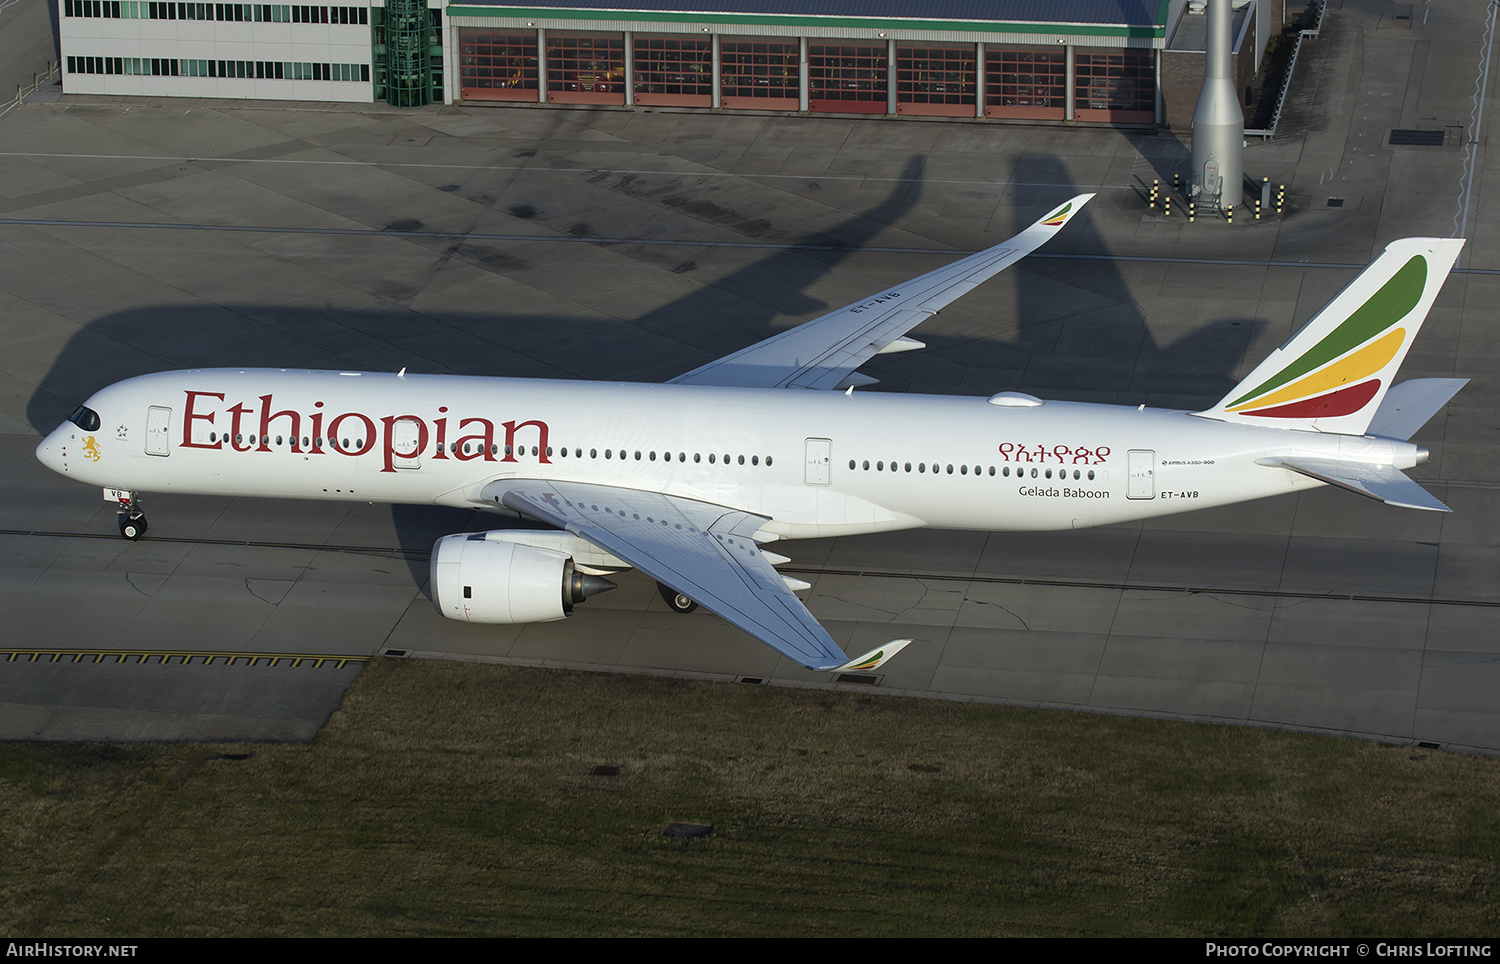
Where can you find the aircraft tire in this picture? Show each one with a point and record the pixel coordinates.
(133, 528)
(676, 601)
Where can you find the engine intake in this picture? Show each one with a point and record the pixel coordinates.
(478, 580)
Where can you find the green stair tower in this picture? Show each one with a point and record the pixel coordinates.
(408, 53)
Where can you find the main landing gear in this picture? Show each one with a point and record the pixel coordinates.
(678, 602)
(132, 519)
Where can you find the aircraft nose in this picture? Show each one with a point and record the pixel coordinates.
(49, 453)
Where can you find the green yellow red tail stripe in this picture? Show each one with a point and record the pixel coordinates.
(1332, 375)
(1344, 351)
(1059, 216)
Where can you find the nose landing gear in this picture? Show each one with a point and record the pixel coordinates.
(132, 528)
(132, 519)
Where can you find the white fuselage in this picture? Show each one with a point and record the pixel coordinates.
(815, 463)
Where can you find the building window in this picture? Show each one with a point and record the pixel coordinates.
(235, 12)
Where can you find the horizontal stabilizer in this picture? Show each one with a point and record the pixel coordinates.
(1383, 483)
(1411, 404)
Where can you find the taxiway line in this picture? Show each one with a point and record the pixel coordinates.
(162, 657)
(388, 552)
(672, 242)
(540, 169)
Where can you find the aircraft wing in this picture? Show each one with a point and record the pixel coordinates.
(822, 352)
(705, 551)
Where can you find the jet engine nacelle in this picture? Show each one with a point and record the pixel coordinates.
(477, 580)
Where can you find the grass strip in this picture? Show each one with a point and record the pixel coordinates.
(457, 799)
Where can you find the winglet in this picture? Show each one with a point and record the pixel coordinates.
(874, 659)
(1062, 215)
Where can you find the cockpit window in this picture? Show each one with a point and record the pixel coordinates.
(85, 418)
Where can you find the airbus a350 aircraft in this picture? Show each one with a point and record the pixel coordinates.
(687, 481)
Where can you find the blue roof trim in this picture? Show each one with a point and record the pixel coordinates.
(1136, 13)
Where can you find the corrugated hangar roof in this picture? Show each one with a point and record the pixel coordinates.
(1137, 13)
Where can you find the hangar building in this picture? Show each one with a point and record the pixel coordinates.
(1061, 60)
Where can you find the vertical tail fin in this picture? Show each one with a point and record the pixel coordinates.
(1332, 375)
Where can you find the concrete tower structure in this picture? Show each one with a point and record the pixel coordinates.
(1218, 122)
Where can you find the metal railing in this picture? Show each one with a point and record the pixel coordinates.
(1286, 82)
(38, 81)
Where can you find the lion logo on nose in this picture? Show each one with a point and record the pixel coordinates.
(91, 448)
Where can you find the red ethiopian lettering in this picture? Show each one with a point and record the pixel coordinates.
(485, 441)
(366, 444)
(239, 411)
(317, 430)
(190, 417)
(511, 428)
(267, 417)
(441, 424)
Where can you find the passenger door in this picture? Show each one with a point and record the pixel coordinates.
(1142, 484)
(819, 456)
(406, 437)
(158, 421)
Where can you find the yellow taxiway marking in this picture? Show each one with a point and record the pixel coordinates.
(166, 656)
